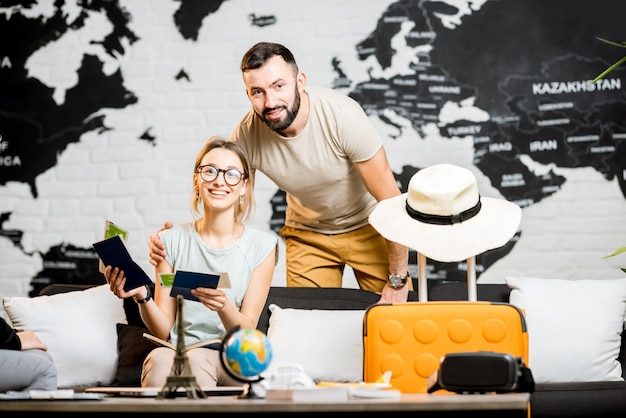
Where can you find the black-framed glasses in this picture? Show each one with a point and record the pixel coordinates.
(232, 176)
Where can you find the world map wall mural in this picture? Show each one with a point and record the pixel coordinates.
(104, 104)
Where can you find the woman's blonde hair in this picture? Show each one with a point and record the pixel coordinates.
(244, 210)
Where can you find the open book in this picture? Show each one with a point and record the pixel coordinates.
(214, 343)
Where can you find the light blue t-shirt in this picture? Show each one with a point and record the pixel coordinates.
(187, 251)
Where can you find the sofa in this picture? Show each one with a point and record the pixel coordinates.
(550, 399)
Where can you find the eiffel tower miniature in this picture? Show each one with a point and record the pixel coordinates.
(181, 376)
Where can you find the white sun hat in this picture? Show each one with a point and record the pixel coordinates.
(444, 217)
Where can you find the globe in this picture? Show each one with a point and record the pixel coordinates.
(245, 354)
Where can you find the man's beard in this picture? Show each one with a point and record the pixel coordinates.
(280, 125)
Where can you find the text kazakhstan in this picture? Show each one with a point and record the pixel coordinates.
(556, 87)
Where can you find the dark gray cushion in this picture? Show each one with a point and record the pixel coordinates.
(579, 399)
(132, 349)
(493, 292)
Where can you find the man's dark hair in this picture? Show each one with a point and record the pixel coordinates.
(256, 56)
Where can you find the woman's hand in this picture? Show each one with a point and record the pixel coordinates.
(214, 299)
(115, 279)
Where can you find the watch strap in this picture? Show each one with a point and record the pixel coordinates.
(146, 299)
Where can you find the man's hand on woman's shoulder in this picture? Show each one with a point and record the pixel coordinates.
(157, 249)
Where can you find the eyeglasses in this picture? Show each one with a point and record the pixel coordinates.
(232, 176)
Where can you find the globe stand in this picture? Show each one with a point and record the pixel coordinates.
(250, 393)
(181, 376)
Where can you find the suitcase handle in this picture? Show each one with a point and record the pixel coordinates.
(422, 280)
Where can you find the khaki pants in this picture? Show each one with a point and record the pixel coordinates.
(204, 363)
(318, 260)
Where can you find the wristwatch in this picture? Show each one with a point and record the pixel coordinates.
(146, 299)
(397, 281)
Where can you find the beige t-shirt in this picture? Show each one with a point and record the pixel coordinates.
(324, 192)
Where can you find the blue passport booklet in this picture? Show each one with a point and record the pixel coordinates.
(113, 252)
(184, 281)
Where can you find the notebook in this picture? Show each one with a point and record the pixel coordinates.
(152, 392)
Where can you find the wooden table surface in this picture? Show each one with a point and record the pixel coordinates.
(232, 404)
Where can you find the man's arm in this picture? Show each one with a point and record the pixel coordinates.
(157, 249)
(8, 337)
(30, 341)
(380, 182)
(11, 339)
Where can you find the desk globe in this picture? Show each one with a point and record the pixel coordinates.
(245, 354)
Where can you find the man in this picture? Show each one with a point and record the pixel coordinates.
(321, 149)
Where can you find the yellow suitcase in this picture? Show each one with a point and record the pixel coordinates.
(409, 339)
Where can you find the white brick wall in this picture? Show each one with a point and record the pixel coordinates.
(114, 175)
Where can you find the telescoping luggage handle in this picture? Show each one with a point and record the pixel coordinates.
(422, 280)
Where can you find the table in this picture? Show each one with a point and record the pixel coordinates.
(434, 405)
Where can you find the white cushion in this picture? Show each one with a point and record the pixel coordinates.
(328, 344)
(79, 329)
(574, 327)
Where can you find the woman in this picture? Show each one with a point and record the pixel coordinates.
(24, 362)
(216, 242)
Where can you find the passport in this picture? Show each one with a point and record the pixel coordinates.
(113, 252)
(184, 281)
